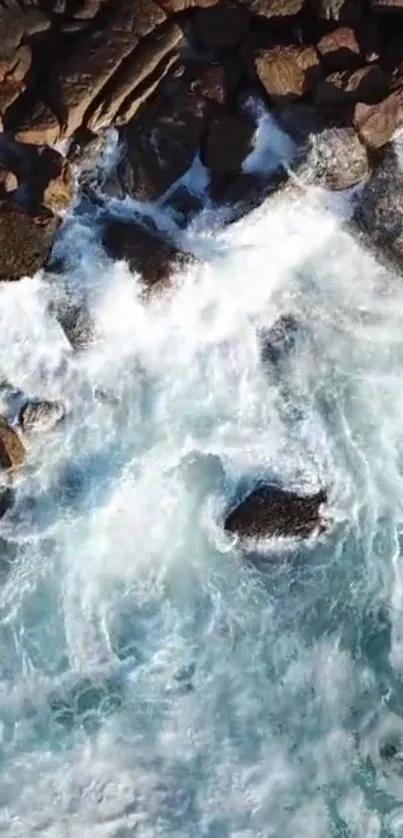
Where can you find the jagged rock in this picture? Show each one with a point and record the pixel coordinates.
(221, 155)
(146, 252)
(376, 124)
(380, 211)
(338, 160)
(339, 50)
(343, 89)
(274, 8)
(25, 240)
(270, 511)
(80, 76)
(43, 176)
(75, 320)
(138, 78)
(40, 415)
(287, 73)
(222, 26)
(163, 141)
(12, 452)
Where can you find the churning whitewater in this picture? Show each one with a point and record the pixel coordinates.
(154, 679)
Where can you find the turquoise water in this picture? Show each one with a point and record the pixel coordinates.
(155, 680)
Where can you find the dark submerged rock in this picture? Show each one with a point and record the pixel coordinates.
(270, 511)
(280, 340)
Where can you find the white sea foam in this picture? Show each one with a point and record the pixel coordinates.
(152, 679)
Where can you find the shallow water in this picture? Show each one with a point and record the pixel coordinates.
(154, 680)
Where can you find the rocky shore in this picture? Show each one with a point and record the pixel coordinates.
(179, 81)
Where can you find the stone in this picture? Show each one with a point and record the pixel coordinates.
(339, 50)
(75, 320)
(376, 124)
(222, 26)
(288, 73)
(273, 512)
(387, 5)
(368, 85)
(40, 415)
(25, 240)
(174, 6)
(145, 63)
(338, 159)
(227, 143)
(58, 183)
(216, 82)
(162, 142)
(155, 259)
(40, 126)
(12, 451)
(274, 8)
(380, 210)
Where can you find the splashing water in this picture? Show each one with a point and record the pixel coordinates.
(153, 680)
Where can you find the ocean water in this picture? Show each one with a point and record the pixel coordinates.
(154, 678)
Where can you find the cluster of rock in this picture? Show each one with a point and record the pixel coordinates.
(175, 78)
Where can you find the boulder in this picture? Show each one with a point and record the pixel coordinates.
(345, 11)
(368, 85)
(338, 159)
(227, 143)
(339, 50)
(288, 73)
(40, 415)
(12, 452)
(223, 25)
(76, 322)
(274, 8)
(270, 511)
(376, 124)
(380, 210)
(217, 82)
(25, 240)
(145, 251)
(161, 143)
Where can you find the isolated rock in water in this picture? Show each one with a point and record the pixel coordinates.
(380, 211)
(279, 341)
(40, 415)
(270, 511)
(76, 323)
(7, 500)
(146, 252)
(25, 240)
(12, 452)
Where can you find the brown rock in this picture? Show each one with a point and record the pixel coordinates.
(40, 416)
(217, 82)
(287, 73)
(8, 181)
(339, 49)
(270, 511)
(376, 124)
(58, 192)
(173, 6)
(12, 452)
(25, 240)
(274, 8)
(223, 25)
(146, 252)
(40, 126)
(138, 77)
(227, 143)
(368, 84)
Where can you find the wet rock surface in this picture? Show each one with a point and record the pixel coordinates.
(12, 452)
(270, 511)
(40, 415)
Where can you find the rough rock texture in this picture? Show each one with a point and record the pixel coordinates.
(380, 212)
(25, 240)
(270, 511)
(368, 85)
(274, 8)
(338, 159)
(12, 452)
(146, 252)
(40, 416)
(288, 73)
(376, 124)
(279, 341)
(339, 50)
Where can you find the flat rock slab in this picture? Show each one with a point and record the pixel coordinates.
(270, 511)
